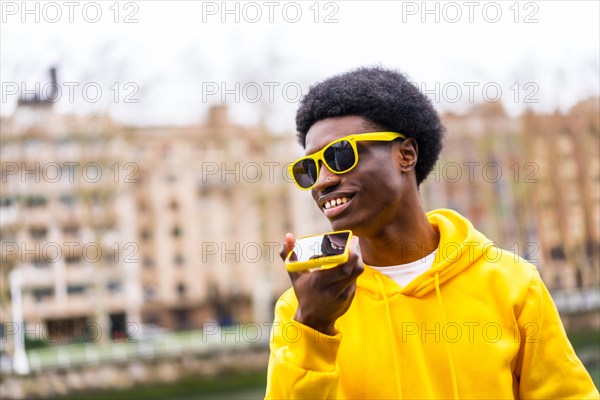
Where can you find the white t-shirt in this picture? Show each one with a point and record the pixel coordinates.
(403, 274)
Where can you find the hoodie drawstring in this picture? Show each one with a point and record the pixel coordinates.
(448, 351)
(392, 338)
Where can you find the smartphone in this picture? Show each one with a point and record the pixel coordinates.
(323, 251)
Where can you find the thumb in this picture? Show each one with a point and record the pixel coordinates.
(288, 246)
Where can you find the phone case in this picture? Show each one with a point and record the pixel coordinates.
(319, 263)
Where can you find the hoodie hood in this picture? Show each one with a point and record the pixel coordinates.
(460, 246)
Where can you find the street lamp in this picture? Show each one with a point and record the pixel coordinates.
(20, 362)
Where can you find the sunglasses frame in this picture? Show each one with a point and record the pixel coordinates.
(352, 139)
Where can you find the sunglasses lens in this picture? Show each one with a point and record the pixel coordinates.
(340, 156)
(305, 173)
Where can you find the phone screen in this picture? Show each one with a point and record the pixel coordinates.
(309, 248)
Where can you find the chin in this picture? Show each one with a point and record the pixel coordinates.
(341, 225)
(337, 225)
(363, 226)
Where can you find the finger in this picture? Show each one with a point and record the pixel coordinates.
(358, 266)
(341, 272)
(349, 280)
(288, 245)
(344, 273)
(347, 292)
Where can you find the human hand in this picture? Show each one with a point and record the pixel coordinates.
(324, 295)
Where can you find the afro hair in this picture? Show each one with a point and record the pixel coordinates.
(383, 97)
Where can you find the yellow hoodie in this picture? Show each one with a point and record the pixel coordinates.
(479, 324)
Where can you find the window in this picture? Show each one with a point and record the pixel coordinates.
(40, 264)
(114, 286)
(591, 248)
(35, 201)
(148, 263)
(202, 188)
(179, 260)
(151, 319)
(96, 199)
(181, 319)
(558, 253)
(145, 234)
(6, 201)
(72, 258)
(70, 230)
(68, 200)
(150, 293)
(76, 289)
(109, 256)
(176, 231)
(42, 293)
(38, 232)
(181, 289)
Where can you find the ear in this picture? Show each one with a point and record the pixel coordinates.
(407, 153)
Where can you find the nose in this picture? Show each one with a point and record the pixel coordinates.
(326, 179)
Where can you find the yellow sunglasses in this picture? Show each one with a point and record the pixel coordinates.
(339, 156)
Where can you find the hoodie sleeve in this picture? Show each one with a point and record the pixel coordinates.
(302, 362)
(548, 367)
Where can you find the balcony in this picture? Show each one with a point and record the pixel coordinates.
(35, 216)
(76, 306)
(37, 276)
(115, 302)
(106, 216)
(43, 306)
(80, 274)
(67, 216)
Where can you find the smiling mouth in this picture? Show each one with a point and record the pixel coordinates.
(336, 205)
(335, 202)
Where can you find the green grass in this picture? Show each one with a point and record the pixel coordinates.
(238, 386)
(595, 373)
(588, 343)
(585, 339)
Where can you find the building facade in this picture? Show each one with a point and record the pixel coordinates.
(115, 230)
(530, 183)
(65, 223)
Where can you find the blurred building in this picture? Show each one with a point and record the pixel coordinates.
(64, 222)
(531, 184)
(113, 229)
(176, 226)
(567, 197)
(213, 204)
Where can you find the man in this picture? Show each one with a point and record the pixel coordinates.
(426, 307)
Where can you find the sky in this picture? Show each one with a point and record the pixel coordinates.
(164, 63)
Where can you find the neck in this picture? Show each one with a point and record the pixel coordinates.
(408, 238)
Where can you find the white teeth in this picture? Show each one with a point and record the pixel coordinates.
(335, 202)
